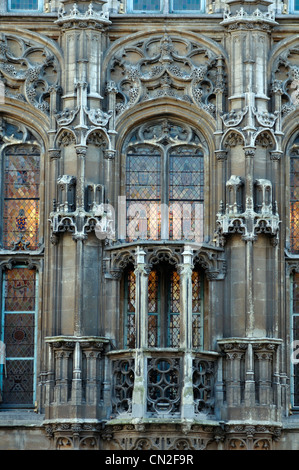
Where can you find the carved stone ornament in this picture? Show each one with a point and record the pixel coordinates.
(28, 69)
(258, 215)
(169, 66)
(82, 14)
(285, 80)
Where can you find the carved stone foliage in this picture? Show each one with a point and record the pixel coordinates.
(251, 437)
(285, 79)
(74, 435)
(162, 437)
(28, 70)
(209, 258)
(167, 66)
(14, 133)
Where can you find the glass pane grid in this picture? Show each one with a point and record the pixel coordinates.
(23, 5)
(186, 5)
(196, 309)
(130, 325)
(295, 374)
(21, 201)
(174, 315)
(146, 5)
(153, 280)
(186, 193)
(18, 335)
(17, 382)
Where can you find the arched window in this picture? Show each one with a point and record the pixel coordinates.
(18, 332)
(20, 205)
(294, 197)
(164, 183)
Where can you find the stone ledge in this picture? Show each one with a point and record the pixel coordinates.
(20, 418)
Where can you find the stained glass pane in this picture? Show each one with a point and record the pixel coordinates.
(18, 335)
(146, 5)
(20, 290)
(186, 5)
(17, 387)
(295, 337)
(153, 284)
(21, 198)
(186, 193)
(143, 190)
(130, 325)
(24, 4)
(196, 309)
(174, 314)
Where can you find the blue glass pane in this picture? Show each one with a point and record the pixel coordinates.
(146, 5)
(296, 5)
(186, 5)
(24, 5)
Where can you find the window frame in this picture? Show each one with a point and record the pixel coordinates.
(292, 9)
(2, 336)
(15, 10)
(5, 154)
(292, 337)
(164, 314)
(172, 10)
(130, 8)
(294, 249)
(162, 225)
(166, 7)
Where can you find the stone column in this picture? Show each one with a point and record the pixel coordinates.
(141, 324)
(185, 271)
(77, 376)
(62, 357)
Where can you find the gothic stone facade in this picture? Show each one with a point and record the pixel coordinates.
(149, 252)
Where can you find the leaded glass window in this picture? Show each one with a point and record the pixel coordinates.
(197, 305)
(146, 5)
(165, 6)
(174, 313)
(165, 183)
(130, 287)
(163, 308)
(186, 5)
(23, 5)
(295, 337)
(18, 329)
(21, 198)
(153, 309)
(294, 6)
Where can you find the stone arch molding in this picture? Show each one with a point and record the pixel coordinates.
(30, 68)
(284, 71)
(166, 65)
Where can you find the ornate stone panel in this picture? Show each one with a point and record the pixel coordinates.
(28, 69)
(166, 66)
